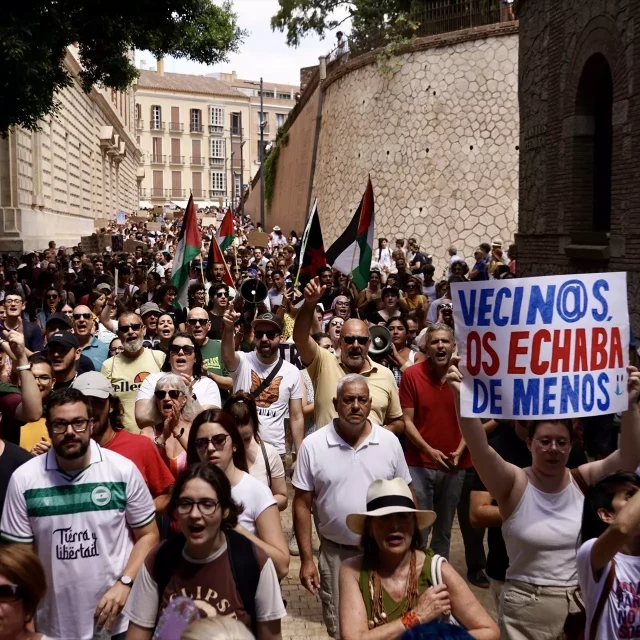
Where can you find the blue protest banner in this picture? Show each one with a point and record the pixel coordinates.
(537, 347)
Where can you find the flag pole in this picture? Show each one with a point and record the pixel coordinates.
(305, 240)
(353, 255)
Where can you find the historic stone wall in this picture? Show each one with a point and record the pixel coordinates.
(439, 139)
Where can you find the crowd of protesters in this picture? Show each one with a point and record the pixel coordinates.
(145, 451)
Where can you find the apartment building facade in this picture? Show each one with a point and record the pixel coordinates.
(82, 165)
(201, 135)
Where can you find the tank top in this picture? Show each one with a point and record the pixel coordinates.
(541, 536)
(394, 609)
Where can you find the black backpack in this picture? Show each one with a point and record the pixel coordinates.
(242, 558)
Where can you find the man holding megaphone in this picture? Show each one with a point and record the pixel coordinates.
(325, 369)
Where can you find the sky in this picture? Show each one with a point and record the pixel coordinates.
(264, 52)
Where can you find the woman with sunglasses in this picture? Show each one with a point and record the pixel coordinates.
(401, 356)
(263, 461)
(166, 329)
(22, 587)
(51, 303)
(334, 329)
(214, 438)
(185, 360)
(413, 299)
(206, 563)
(540, 508)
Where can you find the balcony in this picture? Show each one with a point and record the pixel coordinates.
(237, 132)
(199, 193)
(196, 128)
(216, 162)
(216, 129)
(176, 159)
(197, 161)
(140, 125)
(177, 193)
(157, 126)
(217, 193)
(144, 193)
(176, 127)
(159, 192)
(156, 159)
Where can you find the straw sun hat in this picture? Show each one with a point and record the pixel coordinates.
(385, 497)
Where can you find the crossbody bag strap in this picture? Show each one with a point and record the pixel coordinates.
(578, 478)
(266, 461)
(604, 596)
(267, 381)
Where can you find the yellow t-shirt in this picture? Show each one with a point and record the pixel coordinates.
(326, 370)
(126, 375)
(32, 433)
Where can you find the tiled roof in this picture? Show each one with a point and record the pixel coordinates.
(186, 83)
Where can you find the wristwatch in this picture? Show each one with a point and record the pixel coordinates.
(126, 581)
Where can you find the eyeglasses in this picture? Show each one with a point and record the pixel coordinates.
(205, 507)
(79, 425)
(201, 321)
(78, 316)
(174, 394)
(187, 349)
(44, 378)
(271, 335)
(360, 339)
(13, 300)
(217, 441)
(124, 328)
(10, 592)
(562, 444)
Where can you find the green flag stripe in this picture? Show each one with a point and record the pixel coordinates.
(95, 496)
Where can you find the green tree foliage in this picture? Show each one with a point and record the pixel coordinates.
(34, 35)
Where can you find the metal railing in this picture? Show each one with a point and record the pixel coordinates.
(197, 160)
(196, 128)
(140, 124)
(217, 193)
(158, 192)
(177, 193)
(199, 193)
(158, 159)
(176, 159)
(176, 126)
(236, 131)
(157, 126)
(218, 129)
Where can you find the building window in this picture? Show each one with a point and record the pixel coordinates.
(156, 117)
(284, 96)
(217, 149)
(138, 111)
(236, 185)
(263, 116)
(280, 118)
(235, 124)
(217, 180)
(217, 116)
(196, 120)
(267, 94)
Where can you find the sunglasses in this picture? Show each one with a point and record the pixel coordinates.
(86, 316)
(187, 349)
(124, 328)
(445, 305)
(174, 394)
(218, 442)
(221, 294)
(270, 334)
(52, 296)
(333, 323)
(10, 592)
(194, 321)
(359, 339)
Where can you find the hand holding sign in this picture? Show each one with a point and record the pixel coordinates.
(633, 386)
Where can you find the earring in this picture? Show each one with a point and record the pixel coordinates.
(234, 449)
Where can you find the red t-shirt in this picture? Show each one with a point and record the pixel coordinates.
(435, 415)
(143, 453)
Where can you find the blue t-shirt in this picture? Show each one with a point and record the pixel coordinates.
(481, 268)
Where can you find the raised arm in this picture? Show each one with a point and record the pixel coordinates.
(230, 356)
(498, 476)
(105, 314)
(305, 344)
(627, 457)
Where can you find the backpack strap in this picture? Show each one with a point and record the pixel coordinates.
(246, 571)
(166, 562)
(604, 596)
(266, 461)
(578, 478)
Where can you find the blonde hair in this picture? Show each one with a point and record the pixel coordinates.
(218, 628)
(21, 566)
(174, 381)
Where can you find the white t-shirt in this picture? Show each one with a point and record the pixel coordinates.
(340, 475)
(205, 390)
(619, 617)
(273, 402)
(80, 524)
(255, 496)
(258, 469)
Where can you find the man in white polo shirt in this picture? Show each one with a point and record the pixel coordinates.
(91, 519)
(334, 469)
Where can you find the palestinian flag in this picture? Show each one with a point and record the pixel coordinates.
(215, 256)
(312, 255)
(351, 253)
(188, 247)
(225, 234)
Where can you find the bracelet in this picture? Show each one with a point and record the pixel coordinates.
(159, 444)
(24, 367)
(410, 619)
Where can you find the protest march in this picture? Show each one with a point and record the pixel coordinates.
(192, 405)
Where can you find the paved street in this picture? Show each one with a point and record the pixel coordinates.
(304, 612)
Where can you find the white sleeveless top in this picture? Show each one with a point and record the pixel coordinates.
(541, 536)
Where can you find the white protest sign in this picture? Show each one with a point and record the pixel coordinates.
(532, 348)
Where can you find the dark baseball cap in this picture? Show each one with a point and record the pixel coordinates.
(59, 317)
(64, 339)
(268, 318)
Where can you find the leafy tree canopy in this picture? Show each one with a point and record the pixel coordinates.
(34, 35)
